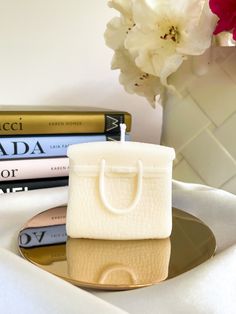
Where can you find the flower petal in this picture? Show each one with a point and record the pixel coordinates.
(123, 6)
(133, 79)
(171, 65)
(143, 14)
(176, 7)
(116, 33)
(197, 36)
(226, 11)
(143, 44)
(234, 34)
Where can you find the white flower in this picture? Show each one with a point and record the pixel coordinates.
(133, 79)
(166, 32)
(118, 27)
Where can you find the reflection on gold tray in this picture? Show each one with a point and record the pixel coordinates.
(115, 265)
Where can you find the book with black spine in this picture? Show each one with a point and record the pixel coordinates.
(7, 187)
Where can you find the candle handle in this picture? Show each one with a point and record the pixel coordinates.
(122, 132)
(110, 208)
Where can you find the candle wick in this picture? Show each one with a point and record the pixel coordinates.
(122, 132)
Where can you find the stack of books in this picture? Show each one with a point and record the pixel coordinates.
(33, 143)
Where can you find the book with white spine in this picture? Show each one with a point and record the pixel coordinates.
(33, 168)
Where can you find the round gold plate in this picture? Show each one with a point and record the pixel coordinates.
(115, 265)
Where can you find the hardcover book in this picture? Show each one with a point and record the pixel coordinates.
(28, 185)
(21, 169)
(46, 146)
(42, 236)
(29, 120)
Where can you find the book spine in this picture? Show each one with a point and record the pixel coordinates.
(41, 236)
(33, 168)
(45, 146)
(28, 185)
(27, 123)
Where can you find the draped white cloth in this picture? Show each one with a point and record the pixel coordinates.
(210, 288)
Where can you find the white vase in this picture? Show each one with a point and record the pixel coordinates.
(201, 125)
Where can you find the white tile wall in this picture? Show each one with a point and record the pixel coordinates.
(210, 159)
(184, 172)
(227, 136)
(230, 186)
(208, 91)
(202, 126)
(184, 112)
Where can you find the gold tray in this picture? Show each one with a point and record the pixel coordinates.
(115, 265)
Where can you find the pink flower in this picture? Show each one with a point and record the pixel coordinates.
(226, 11)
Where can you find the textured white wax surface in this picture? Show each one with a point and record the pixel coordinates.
(117, 153)
(88, 215)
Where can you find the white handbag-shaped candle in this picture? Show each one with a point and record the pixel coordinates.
(120, 190)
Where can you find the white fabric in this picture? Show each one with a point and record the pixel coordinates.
(209, 288)
(27, 289)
